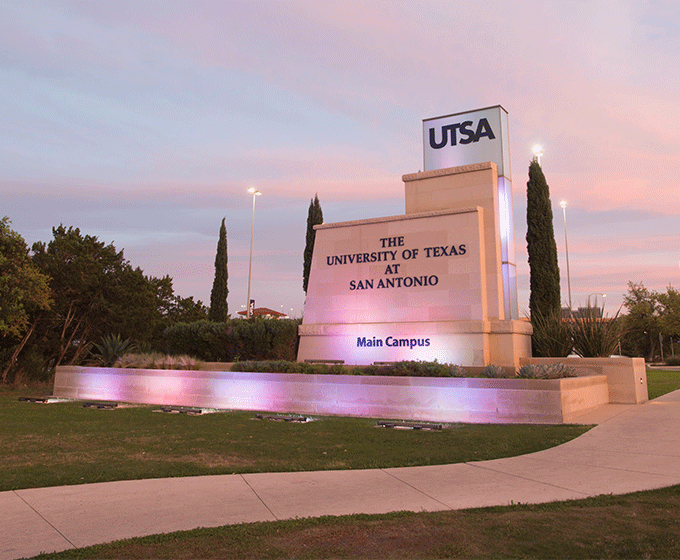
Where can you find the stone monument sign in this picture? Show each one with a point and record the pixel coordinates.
(437, 283)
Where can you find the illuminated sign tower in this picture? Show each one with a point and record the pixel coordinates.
(437, 283)
(472, 138)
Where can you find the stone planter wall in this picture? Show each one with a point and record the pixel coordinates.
(405, 398)
(626, 377)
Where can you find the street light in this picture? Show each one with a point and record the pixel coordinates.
(255, 193)
(538, 153)
(563, 204)
(597, 294)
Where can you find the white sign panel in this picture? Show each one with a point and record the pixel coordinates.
(467, 138)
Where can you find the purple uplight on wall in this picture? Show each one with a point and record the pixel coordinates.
(408, 398)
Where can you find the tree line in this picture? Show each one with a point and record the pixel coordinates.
(58, 299)
(61, 296)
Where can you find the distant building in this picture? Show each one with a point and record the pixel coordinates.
(582, 312)
(265, 313)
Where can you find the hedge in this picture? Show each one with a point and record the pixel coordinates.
(234, 340)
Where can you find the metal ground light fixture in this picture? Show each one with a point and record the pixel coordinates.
(255, 194)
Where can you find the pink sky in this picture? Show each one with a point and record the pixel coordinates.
(144, 123)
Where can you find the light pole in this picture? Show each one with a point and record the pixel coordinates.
(563, 204)
(597, 294)
(255, 193)
(538, 153)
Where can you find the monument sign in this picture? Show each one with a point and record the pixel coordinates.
(436, 283)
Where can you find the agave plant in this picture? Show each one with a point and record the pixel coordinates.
(594, 336)
(545, 371)
(111, 348)
(456, 370)
(552, 336)
(494, 372)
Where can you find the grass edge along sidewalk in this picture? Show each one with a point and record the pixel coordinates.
(637, 525)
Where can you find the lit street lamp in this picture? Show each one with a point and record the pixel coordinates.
(538, 153)
(255, 193)
(563, 204)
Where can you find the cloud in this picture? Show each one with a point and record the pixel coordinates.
(145, 122)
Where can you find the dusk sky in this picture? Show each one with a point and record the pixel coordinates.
(144, 123)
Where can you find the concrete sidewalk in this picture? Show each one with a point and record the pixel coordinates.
(634, 447)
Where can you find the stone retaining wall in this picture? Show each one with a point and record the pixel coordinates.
(406, 398)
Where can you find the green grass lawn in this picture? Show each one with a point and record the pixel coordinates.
(64, 443)
(660, 382)
(55, 444)
(639, 525)
(137, 443)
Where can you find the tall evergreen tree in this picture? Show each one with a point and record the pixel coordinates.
(544, 299)
(219, 310)
(314, 217)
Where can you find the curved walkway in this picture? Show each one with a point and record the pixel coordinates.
(634, 447)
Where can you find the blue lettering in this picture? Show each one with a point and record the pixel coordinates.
(363, 342)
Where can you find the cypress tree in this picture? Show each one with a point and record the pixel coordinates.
(544, 273)
(219, 310)
(314, 217)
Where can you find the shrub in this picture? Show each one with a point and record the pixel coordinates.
(254, 339)
(265, 339)
(30, 366)
(595, 337)
(494, 372)
(156, 360)
(419, 369)
(457, 371)
(404, 369)
(205, 339)
(546, 371)
(673, 361)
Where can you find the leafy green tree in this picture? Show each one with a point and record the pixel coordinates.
(23, 289)
(219, 309)
(85, 275)
(642, 323)
(186, 310)
(96, 292)
(314, 217)
(24, 294)
(670, 312)
(132, 307)
(544, 298)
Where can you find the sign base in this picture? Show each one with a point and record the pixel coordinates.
(466, 343)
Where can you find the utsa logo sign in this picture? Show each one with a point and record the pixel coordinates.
(461, 133)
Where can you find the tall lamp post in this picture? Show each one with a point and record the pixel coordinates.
(255, 194)
(563, 204)
(538, 153)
